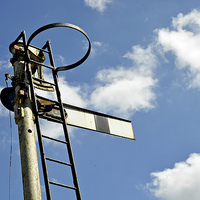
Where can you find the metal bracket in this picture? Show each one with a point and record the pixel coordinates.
(36, 55)
(49, 110)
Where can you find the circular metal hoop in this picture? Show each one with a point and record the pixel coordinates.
(54, 25)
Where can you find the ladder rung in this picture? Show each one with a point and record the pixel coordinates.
(42, 64)
(40, 97)
(58, 161)
(62, 185)
(39, 48)
(50, 118)
(50, 138)
(41, 80)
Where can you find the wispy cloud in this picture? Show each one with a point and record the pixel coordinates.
(97, 48)
(5, 64)
(99, 5)
(60, 61)
(179, 183)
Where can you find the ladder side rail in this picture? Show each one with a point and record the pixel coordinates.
(37, 122)
(21, 35)
(55, 76)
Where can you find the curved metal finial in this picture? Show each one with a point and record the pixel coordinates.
(54, 25)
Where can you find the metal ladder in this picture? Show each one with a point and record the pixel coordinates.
(62, 121)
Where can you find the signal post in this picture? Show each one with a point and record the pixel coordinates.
(24, 118)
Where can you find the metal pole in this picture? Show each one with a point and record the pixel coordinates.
(24, 118)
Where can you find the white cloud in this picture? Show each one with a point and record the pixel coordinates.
(145, 59)
(51, 129)
(126, 90)
(180, 183)
(183, 40)
(190, 20)
(73, 95)
(100, 5)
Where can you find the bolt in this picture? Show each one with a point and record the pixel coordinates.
(29, 130)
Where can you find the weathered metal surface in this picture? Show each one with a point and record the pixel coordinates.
(28, 154)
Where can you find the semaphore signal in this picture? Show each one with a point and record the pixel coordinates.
(28, 107)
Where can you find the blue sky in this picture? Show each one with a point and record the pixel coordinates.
(144, 66)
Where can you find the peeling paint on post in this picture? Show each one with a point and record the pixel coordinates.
(25, 120)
